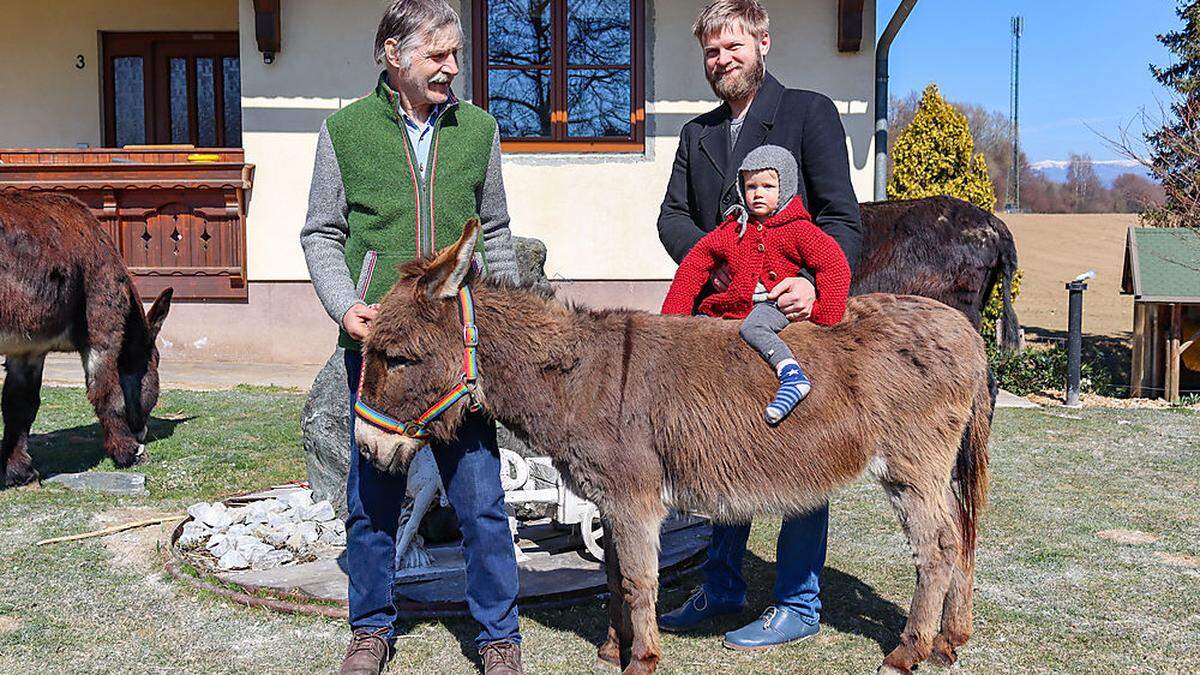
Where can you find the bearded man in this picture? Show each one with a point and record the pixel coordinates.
(758, 110)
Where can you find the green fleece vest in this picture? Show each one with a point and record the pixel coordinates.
(395, 213)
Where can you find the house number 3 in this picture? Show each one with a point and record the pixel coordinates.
(79, 62)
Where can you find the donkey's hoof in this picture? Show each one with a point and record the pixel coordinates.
(943, 653)
(885, 669)
(17, 478)
(608, 658)
(131, 457)
(603, 666)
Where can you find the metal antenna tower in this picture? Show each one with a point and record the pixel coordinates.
(1014, 174)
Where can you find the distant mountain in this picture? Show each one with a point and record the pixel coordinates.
(1106, 169)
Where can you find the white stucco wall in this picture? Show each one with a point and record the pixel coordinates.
(324, 63)
(595, 213)
(45, 100)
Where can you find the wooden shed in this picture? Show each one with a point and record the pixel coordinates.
(1162, 273)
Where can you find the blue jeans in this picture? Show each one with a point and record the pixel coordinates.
(799, 556)
(470, 468)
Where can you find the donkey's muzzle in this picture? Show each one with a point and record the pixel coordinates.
(387, 451)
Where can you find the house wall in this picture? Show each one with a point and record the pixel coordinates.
(49, 102)
(596, 213)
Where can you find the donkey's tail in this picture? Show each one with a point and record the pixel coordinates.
(1009, 329)
(971, 467)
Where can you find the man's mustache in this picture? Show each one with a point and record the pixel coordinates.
(440, 78)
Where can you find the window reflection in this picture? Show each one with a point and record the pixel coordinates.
(232, 82)
(560, 77)
(519, 32)
(180, 127)
(130, 94)
(520, 102)
(598, 103)
(206, 103)
(598, 32)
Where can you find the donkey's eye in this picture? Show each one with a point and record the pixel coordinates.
(397, 361)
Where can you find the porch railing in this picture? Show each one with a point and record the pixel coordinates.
(177, 215)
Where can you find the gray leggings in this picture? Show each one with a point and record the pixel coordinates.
(761, 330)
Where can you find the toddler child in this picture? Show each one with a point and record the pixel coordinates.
(767, 238)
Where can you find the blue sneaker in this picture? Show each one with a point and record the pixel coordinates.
(697, 609)
(776, 626)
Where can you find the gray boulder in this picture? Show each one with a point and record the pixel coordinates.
(531, 262)
(112, 482)
(325, 422)
(325, 425)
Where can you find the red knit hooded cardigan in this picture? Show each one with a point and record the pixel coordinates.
(767, 252)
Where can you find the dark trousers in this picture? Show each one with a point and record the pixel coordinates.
(799, 559)
(470, 469)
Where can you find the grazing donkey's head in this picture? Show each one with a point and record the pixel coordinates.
(137, 365)
(414, 358)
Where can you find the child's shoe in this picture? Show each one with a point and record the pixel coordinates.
(793, 387)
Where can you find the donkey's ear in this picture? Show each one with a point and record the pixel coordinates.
(448, 271)
(158, 312)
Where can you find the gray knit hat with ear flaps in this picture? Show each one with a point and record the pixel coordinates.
(767, 157)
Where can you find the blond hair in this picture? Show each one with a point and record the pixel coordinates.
(749, 14)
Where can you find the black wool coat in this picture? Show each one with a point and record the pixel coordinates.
(704, 177)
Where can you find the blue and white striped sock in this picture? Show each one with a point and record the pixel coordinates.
(793, 387)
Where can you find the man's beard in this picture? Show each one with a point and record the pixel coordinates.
(739, 85)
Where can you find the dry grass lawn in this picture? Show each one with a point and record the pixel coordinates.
(1052, 249)
(1089, 559)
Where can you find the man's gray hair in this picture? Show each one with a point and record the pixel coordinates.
(411, 22)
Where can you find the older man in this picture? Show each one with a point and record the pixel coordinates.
(397, 174)
(758, 110)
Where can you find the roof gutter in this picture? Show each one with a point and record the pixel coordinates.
(881, 95)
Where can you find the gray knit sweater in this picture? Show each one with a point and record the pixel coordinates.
(325, 230)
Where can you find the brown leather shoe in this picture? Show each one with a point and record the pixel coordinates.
(502, 658)
(367, 654)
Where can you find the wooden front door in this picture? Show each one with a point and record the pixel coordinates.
(172, 88)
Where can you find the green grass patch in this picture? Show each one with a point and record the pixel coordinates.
(1051, 595)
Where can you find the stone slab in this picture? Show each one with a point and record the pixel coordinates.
(111, 482)
(541, 574)
(1009, 400)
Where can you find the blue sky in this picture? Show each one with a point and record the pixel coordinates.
(1082, 63)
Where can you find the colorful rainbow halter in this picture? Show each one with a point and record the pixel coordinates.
(466, 387)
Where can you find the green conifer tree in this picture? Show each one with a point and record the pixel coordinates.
(935, 155)
(1174, 146)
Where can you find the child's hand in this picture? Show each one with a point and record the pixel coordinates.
(794, 297)
(721, 277)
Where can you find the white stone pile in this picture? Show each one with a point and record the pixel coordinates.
(263, 534)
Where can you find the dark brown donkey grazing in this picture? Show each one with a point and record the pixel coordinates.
(642, 413)
(64, 287)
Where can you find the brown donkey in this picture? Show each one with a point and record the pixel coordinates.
(64, 287)
(642, 413)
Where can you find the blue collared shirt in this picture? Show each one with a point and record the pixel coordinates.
(421, 136)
